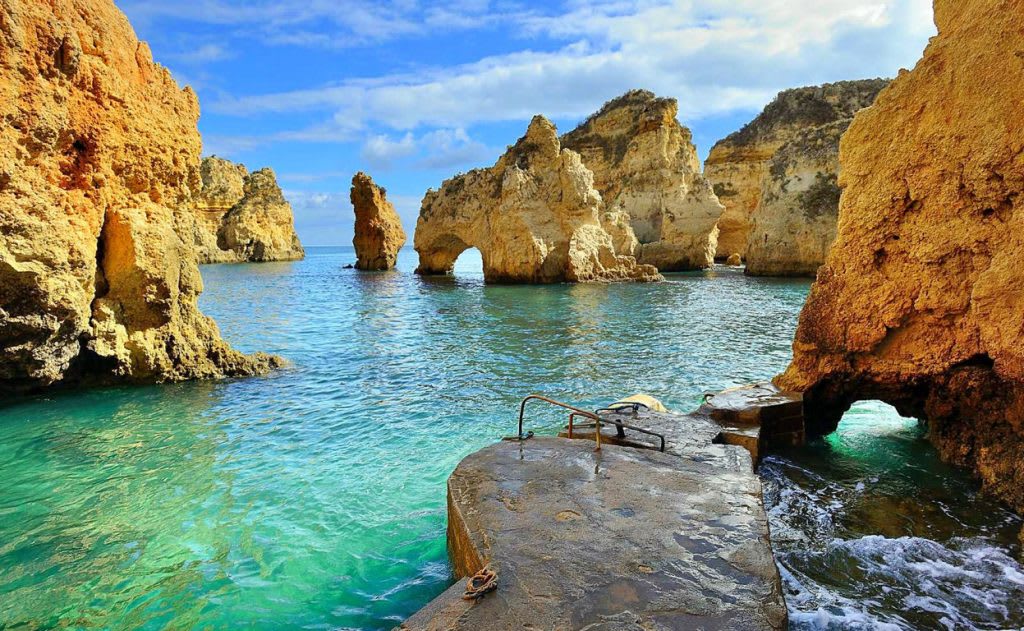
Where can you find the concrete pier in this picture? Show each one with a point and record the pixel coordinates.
(625, 538)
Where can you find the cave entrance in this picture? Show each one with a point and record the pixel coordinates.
(469, 264)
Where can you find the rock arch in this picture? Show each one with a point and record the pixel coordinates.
(534, 216)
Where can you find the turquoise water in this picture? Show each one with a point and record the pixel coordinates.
(314, 497)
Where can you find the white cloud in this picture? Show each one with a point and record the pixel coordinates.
(203, 54)
(716, 57)
(381, 151)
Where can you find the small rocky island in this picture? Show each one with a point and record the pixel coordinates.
(378, 233)
(242, 216)
(535, 216)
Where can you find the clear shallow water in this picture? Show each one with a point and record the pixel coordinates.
(315, 497)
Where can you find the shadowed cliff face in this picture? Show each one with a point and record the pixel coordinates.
(99, 157)
(921, 300)
(534, 216)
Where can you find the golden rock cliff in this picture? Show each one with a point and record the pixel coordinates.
(921, 300)
(378, 230)
(243, 216)
(535, 217)
(99, 158)
(741, 167)
(646, 168)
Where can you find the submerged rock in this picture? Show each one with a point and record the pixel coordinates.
(535, 217)
(920, 301)
(378, 230)
(646, 168)
(99, 159)
(243, 216)
(754, 166)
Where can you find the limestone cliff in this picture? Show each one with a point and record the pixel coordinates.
(739, 164)
(378, 230)
(99, 158)
(535, 217)
(646, 168)
(795, 222)
(261, 229)
(920, 300)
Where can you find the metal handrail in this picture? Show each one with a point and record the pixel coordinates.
(575, 410)
(594, 416)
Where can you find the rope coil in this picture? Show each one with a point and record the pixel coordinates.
(481, 583)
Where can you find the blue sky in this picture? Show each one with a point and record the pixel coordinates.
(413, 92)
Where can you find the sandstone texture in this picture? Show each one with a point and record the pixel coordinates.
(921, 298)
(243, 216)
(646, 168)
(535, 217)
(99, 160)
(742, 166)
(378, 230)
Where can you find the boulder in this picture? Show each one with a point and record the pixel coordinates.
(920, 300)
(378, 230)
(740, 165)
(99, 160)
(734, 260)
(242, 216)
(535, 217)
(646, 168)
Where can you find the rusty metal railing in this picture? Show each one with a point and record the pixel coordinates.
(593, 416)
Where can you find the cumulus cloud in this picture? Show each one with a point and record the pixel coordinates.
(716, 56)
(437, 149)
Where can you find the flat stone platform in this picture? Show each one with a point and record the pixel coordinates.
(620, 539)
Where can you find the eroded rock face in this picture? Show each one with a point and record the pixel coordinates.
(243, 216)
(99, 158)
(378, 230)
(739, 166)
(646, 168)
(260, 227)
(535, 217)
(795, 222)
(920, 301)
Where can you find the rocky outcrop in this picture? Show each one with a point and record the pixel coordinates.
(535, 217)
(243, 216)
(260, 227)
(921, 298)
(646, 168)
(795, 222)
(741, 165)
(378, 231)
(99, 158)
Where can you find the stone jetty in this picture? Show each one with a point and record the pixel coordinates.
(625, 537)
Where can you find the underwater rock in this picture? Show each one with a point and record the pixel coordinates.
(99, 160)
(378, 230)
(261, 229)
(535, 217)
(742, 169)
(646, 168)
(920, 301)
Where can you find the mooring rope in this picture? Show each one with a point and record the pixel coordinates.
(483, 582)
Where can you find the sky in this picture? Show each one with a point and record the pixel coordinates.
(413, 92)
